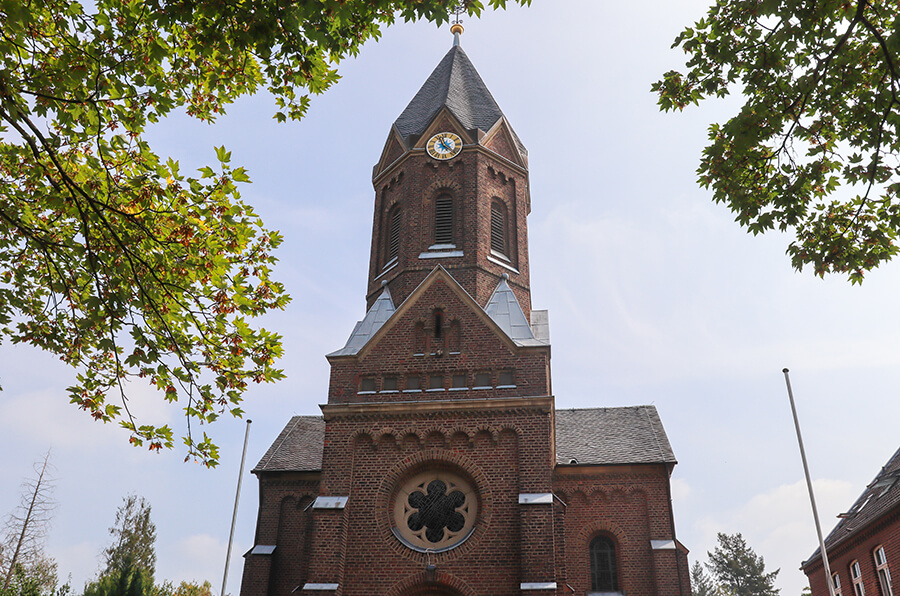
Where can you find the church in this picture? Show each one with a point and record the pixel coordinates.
(440, 464)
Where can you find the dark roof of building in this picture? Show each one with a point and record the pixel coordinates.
(881, 496)
(298, 448)
(456, 85)
(604, 436)
(630, 435)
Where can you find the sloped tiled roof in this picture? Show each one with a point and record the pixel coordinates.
(504, 309)
(880, 497)
(297, 449)
(380, 312)
(456, 85)
(605, 436)
(631, 435)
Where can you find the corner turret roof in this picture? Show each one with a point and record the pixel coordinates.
(456, 85)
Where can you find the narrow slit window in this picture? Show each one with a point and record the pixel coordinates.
(443, 220)
(498, 229)
(394, 235)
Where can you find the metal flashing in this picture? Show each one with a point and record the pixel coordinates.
(662, 544)
(320, 586)
(380, 312)
(330, 502)
(263, 549)
(535, 498)
(537, 586)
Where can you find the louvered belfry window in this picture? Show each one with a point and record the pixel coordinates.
(443, 220)
(394, 236)
(498, 229)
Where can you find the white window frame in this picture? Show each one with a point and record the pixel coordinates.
(856, 578)
(836, 582)
(882, 571)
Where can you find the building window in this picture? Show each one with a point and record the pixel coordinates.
(856, 578)
(506, 379)
(367, 385)
(603, 565)
(393, 237)
(459, 381)
(436, 383)
(413, 383)
(483, 380)
(389, 385)
(434, 510)
(443, 220)
(884, 574)
(836, 582)
(498, 229)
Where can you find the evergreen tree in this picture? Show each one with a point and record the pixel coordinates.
(701, 583)
(738, 570)
(134, 541)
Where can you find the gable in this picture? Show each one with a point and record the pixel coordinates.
(500, 140)
(393, 149)
(444, 121)
(439, 295)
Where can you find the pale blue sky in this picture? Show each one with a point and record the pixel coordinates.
(655, 296)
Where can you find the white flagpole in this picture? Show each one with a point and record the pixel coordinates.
(237, 497)
(812, 497)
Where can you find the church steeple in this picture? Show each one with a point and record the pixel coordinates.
(451, 190)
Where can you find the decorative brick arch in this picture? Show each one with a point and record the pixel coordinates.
(445, 584)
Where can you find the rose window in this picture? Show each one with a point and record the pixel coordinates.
(434, 510)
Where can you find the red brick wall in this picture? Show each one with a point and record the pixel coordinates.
(861, 547)
(630, 505)
(481, 350)
(474, 179)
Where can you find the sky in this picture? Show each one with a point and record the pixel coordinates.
(656, 296)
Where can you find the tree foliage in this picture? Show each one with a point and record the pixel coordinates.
(133, 545)
(111, 257)
(701, 584)
(24, 566)
(738, 571)
(814, 148)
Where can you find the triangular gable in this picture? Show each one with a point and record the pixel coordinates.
(445, 121)
(393, 149)
(502, 141)
(505, 310)
(375, 318)
(439, 274)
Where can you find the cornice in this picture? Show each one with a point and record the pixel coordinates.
(437, 408)
(377, 179)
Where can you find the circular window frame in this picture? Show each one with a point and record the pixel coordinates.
(418, 481)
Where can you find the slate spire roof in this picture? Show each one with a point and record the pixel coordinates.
(456, 85)
(380, 312)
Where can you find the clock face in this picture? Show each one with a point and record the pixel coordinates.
(444, 145)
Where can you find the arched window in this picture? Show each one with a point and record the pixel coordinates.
(392, 246)
(498, 228)
(603, 565)
(443, 220)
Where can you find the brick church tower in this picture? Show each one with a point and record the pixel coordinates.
(440, 465)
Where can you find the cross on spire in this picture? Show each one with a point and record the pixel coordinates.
(456, 28)
(459, 9)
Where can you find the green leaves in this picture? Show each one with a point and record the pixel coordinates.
(820, 83)
(110, 256)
